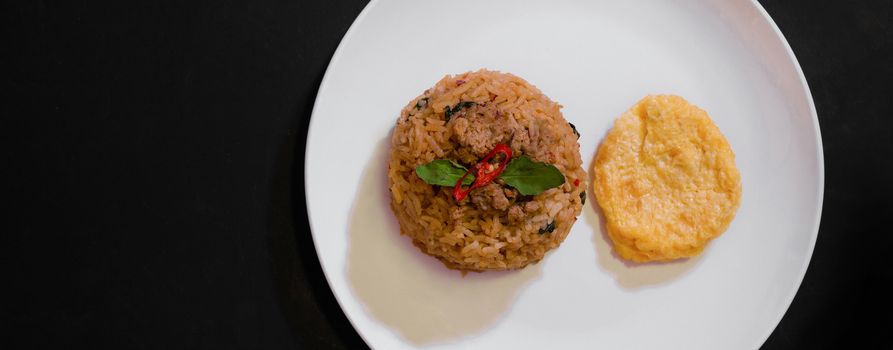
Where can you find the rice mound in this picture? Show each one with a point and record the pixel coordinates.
(666, 180)
(477, 235)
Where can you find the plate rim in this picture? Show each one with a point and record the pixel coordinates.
(820, 163)
(323, 85)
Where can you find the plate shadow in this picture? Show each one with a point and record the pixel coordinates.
(414, 294)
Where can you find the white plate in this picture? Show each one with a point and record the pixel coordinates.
(596, 58)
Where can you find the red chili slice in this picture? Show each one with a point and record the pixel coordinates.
(484, 172)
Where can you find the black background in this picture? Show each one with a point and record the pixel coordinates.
(154, 156)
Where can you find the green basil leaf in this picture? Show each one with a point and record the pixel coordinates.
(448, 112)
(531, 178)
(422, 103)
(443, 172)
(548, 228)
(574, 128)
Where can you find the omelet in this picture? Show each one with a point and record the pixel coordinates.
(666, 181)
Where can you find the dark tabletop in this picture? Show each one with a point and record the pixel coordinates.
(154, 159)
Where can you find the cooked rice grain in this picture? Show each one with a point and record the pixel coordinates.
(464, 236)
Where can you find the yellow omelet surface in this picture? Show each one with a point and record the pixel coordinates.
(666, 180)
